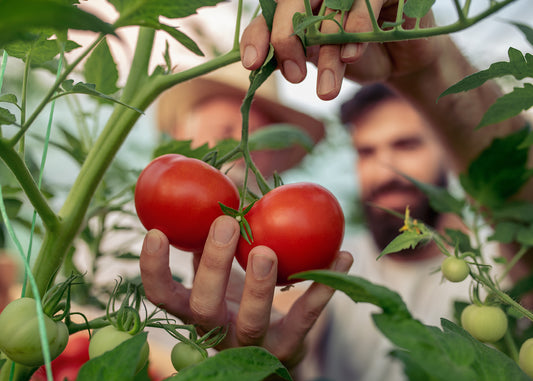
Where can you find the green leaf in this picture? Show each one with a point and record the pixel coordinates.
(524, 235)
(499, 171)
(280, 136)
(447, 354)
(143, 11)
(509, 105)
(12, 206)
(90, 89)
(101, 69)
(440, 198)
(505, 232)
(526, 29)
(244, 364)
(519, 66)
(40, 50)
(268, 8)
(417, 8)
(118, 364)
(406, 240)
(359, 290)
(515, 210)
(18, 18)
(9, 98)
(460, 240)
(179, 36)
(339, 5)
(6, 117)
(183, 147)
(301, 22)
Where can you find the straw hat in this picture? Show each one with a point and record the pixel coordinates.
(233, 80)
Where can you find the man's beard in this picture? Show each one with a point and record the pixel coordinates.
(385, 226)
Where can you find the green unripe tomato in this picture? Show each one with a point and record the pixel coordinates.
(455, 269)
(525, 357)
(184, 355)
(108, 338)
(19, 333)
(485, 323)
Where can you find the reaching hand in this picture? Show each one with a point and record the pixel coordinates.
(220, 297)
(362, 62)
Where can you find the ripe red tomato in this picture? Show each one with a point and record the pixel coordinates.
(179, 196)
(303, 223)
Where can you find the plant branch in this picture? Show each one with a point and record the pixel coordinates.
(318, 38)
(28, 184)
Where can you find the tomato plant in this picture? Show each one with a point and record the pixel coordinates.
(180, 196)
(525, 357)
(455, 269)
(108, 338)
(185, 354)
(485, 323)
(303, 223)
(19, 333)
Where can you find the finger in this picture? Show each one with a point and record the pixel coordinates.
(256, 303)
(289, 336)
(160, 288)
(287, 46)
(255, 43)
(207, 301)
(358, 20)
(330, 66)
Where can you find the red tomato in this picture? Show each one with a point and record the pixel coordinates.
(302, 222)
(179, 196)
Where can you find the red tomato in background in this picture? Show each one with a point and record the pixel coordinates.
(303, 223)
(179, 196)
(68, 364)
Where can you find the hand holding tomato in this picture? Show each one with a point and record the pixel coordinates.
(220, 297)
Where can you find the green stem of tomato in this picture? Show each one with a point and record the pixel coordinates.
(313, 37)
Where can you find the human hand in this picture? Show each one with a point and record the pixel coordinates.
(219, 297)
(362, 62)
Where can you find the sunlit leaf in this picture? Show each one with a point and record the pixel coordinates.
(406, 240)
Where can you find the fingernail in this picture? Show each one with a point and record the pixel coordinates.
(292, 71)
(153, 242)
(249, 56)
(326, 83)
(351, 51)
(261, 266)
(343, 263)
(223, 232)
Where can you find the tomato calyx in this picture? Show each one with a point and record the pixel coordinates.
(246, 230)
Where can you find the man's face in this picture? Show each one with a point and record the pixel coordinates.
(392, 139)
